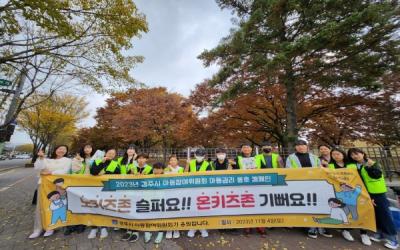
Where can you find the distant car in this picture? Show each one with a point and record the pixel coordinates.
(23, 156)
(3, 157)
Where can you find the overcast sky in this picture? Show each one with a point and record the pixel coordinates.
(179, 30)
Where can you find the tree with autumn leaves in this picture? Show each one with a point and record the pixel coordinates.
(147, 117)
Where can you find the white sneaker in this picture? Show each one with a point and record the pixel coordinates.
(48, 233)
(176, 234)
(365, 240)
(116, 228)
(191, 233)
(347, 235)
(34, 235)
(103, 233)
(168, 235)
(92, 233)
(204, 233)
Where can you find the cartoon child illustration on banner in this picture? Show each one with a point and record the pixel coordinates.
(343, 205)
(58, 203)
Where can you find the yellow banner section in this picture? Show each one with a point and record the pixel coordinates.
(308, 197)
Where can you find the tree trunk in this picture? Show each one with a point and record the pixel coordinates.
(291, 111)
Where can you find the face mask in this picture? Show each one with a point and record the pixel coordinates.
(267, 150)
(199, 158)
(221, 156)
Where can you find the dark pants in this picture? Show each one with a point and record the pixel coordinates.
(384, 220)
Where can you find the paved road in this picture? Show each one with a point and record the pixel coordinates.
(16, 221)
(13, 163)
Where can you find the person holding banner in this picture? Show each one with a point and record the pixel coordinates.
(107, 165)
(158, 168)
(198, 165)
(141, 168)
(173, 168)
(302, 158)
(374, 181)
(81, 165)
(247, 161)
(268, 158)
(324, 155)
(349, 195)
(57, 164)
(128, 161)
(221, 162)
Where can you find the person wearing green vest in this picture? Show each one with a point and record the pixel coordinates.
(107, 165)
(141, 168)
(199, 164)
(348, 195)
(246, 160)
(80, 165)
(268, 158)
(374, 181)
(302, 158)
(128, 161)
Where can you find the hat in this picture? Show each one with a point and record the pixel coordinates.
(266, 144)
(200, 152)
(220, 150)
(301, 142)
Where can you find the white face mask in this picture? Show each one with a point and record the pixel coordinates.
(199, 158)
(221, 156)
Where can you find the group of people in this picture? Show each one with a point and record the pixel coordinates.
(133, 163)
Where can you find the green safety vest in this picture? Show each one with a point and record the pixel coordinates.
(294, 163)
(146, 170)
(274, 159)
(82, 170)
(240, 162)
(125, 168)
(204, 166)
(112, 166)
(349, 166)
(169, 169)
(374, 186)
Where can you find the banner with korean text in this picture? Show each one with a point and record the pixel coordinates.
(209, 200)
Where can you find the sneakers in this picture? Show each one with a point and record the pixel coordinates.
(34, 235)
(392, 244)
(159, 238)
(48, 233)
(376, 237)
(103, 233)
(168, 235)
(176, 234)
(324, 232)
(347, 235)
(191, 233)
(204, 233)
(134, 237)
(147, 237)
(92, 233)
(365, 240)
(312, 233)
(126, 236)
